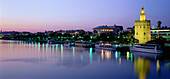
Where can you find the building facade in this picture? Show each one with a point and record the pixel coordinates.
(103, 29)
(163, 32)
(142, 28)
(107, 29)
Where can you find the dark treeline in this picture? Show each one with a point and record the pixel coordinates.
(123, 38)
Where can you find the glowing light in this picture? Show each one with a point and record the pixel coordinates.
(116, 55)
(91, 55)
(157, 66)
(62, 54)
(107, 44)
(159, 30)
(142, 15)
(38, 47)
(120, 60)
(127, 55)
(142, 67)
(56, 47)
(61, 48)
(108, 54)
(131, 55)
(102, 55)
(73, 51)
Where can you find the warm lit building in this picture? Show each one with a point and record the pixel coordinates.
(107, 29)
(103, 29)
(163, 32)
(142, 28)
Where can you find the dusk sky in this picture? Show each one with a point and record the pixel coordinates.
(41, 15)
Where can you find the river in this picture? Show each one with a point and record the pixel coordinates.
(20, 60)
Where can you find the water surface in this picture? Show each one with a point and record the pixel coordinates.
(19, 60)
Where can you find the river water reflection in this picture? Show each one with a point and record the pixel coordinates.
(19, 60)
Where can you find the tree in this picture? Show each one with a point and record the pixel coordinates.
(159, 26)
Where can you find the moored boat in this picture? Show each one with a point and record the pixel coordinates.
(108, 46)
(146, 48)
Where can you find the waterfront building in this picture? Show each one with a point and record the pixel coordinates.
(103, 29)
(163, 32)
(108, 29)
(142, 28)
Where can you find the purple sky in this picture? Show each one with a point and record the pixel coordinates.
(41, 15)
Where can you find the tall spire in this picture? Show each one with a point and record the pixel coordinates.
(142, 14)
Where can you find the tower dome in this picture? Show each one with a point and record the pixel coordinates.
(142, 10)
(142, 15)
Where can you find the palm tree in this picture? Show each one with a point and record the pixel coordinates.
(159, 26)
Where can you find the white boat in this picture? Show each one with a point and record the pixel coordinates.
(146, 48)
(107, 46)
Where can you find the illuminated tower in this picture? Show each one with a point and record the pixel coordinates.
(142, 15)
(142, 28)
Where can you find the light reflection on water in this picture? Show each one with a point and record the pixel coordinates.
(20, 60)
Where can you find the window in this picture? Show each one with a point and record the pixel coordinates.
(144, 33)
(136, 33)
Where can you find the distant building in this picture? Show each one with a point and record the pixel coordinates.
(108, 29)
(142, 28)
(163, 32)
(103, 29)
(130, 29)
(24, 33)
(117, 29)
(48, 32)
(72, 32)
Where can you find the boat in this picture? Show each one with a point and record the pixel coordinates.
(54, 42)
(84, 44)
(69, 43)
(146, 48)
(108, 46)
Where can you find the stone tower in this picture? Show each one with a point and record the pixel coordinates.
(142, 28)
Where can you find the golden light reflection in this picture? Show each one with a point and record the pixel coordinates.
(157, 66)
(127, 55)
(142, 67)
(102, 55)
(120, 60)
(108, 54)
